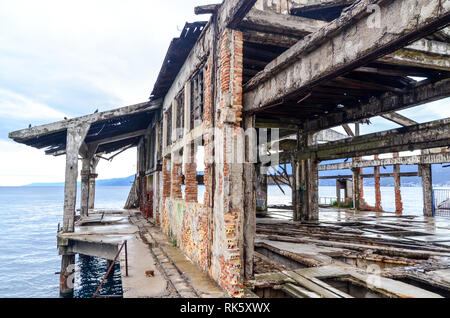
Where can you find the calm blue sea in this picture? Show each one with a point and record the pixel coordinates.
(29, 220)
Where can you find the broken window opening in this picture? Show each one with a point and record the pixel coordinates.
(197, 99)
(180, 115)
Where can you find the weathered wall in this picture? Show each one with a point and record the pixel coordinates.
(226, 262)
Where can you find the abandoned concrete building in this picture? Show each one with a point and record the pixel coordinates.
(259, 85)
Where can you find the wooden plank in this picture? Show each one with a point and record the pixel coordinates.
(322, 56)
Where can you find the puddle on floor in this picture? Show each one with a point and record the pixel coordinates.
(353, 288)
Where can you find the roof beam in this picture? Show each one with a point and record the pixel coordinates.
(422, 136)
(110, 140)
(348, 130)
(399, 119)
(264, 38)
(387, 103)
(417, 59)
(39, 131)
(343, 45)
(231, 13)
(270, 22)
(437, 158)
(430, 47)
(310, 5)
(206, 9)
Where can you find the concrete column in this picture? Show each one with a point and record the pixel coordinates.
(356, 189)
(376, 172)
(312, 199)
(261, 191)
(92, 176)
(66, 277)
(85, 172)
(302, 192)
(427, 185)
(397, 188)
(75, 137)
(251, 184)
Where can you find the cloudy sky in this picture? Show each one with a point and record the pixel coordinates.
(68, 58)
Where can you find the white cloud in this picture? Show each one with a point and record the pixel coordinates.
(13, 105)
(21, 165)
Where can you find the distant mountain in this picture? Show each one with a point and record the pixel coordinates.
(117, 182)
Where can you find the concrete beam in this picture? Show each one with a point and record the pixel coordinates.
(38, 131)
(322, 56)
(310, 5)
(417, 59)
(399, 119)
(232, 12)
(206, 9)
(430, 47)
(423, 136)
(265, 38)
(387, 103)
(370, 176)
(270, 22)
(94, 249)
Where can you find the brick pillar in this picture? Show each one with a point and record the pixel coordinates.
(190, 176)
(166, 178)
(177, 180)
(378, 206)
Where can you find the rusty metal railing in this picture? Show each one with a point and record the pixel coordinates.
(124, 244)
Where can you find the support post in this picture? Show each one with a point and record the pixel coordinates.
(356, 189)
(376, 172)
(309, 186)
(251, 185)
(261, 191)
(427, 185)
(85, 173)
(92, 176)
(397, 187)
(75, 138)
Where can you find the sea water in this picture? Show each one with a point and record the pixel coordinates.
(29, 219)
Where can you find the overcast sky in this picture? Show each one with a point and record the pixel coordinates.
(68, 58)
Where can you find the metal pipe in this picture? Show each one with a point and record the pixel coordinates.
(111, 267)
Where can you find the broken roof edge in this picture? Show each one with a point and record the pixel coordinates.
(34, 132)
(162, 85)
